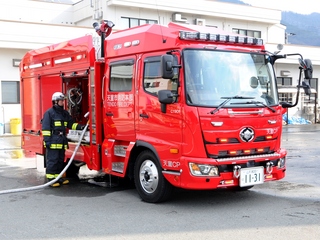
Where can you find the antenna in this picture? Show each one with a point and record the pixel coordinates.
(163, 39)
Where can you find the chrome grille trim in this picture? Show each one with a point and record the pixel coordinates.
(171, 172)
(248, 157)
(231, 112)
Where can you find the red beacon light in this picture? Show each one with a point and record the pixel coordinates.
(104, 27)
(103, 30)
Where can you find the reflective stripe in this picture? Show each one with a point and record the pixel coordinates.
(46, 133)
(74, 126)
(65, 124)
(48, 175)
(57, 123)
(56, 146)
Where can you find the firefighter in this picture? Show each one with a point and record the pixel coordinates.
(54, 124)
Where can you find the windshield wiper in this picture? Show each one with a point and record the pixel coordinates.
(227, 100)
(257, 103)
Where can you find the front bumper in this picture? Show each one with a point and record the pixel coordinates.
(227, 177)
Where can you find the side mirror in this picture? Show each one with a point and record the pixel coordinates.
(254, 82)
(306, 65)
(167, 66)
(309, 69)
(286, 104)
(165, 97)
(302, 63)
(306, 87)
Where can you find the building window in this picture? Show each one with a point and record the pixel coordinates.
(133, 22)
(249, 33)
(285, 97)
(16, 62)
(10, 91)
(121, 76)
(212, 26)
(284, 81)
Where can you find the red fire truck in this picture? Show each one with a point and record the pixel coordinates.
(169, 106)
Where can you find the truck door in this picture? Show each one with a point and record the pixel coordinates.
(36, 95)
(162, 130)
(119, 100)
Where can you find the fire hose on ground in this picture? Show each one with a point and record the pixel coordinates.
(59, 176)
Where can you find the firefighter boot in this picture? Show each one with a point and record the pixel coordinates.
(62, 181)
(50, 178)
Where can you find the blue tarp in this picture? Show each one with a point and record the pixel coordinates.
(295, 120)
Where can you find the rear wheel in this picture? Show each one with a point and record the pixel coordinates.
(150, 183)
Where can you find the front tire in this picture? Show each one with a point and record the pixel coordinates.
(150, 183)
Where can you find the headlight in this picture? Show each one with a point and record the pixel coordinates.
(281, 162)
(203, 170)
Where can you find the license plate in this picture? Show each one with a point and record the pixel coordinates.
(251, 176)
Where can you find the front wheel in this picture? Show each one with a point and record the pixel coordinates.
(150, 183)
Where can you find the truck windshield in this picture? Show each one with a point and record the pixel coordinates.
(213, 76)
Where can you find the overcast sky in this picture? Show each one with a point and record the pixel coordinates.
(298, 6)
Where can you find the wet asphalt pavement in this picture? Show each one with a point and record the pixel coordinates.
(285, 209)
(302, 178)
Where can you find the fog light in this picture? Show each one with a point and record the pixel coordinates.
(203, 170)
(228, 182)
(282, 162)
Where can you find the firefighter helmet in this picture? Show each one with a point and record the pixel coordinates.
(58, 96)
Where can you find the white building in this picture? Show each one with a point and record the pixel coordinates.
(30, 24)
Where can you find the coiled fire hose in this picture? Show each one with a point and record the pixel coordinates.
(59, 176)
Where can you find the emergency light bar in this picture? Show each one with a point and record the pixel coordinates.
(219, 38)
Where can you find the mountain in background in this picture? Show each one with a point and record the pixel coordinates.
(303, 29)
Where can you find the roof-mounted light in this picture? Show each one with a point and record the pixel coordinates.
(212, 37)
(222, 38)
(36, 65)
(240, 39)
(258, 41)
(184, 35)
(231, 39)
(62, 60)
(202, 36)
(249, 40)
(188, 35)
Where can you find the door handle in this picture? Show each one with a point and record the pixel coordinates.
(144, 115)
(109, 114)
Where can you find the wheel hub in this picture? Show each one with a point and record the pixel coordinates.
(146, 176)
(149, 176)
